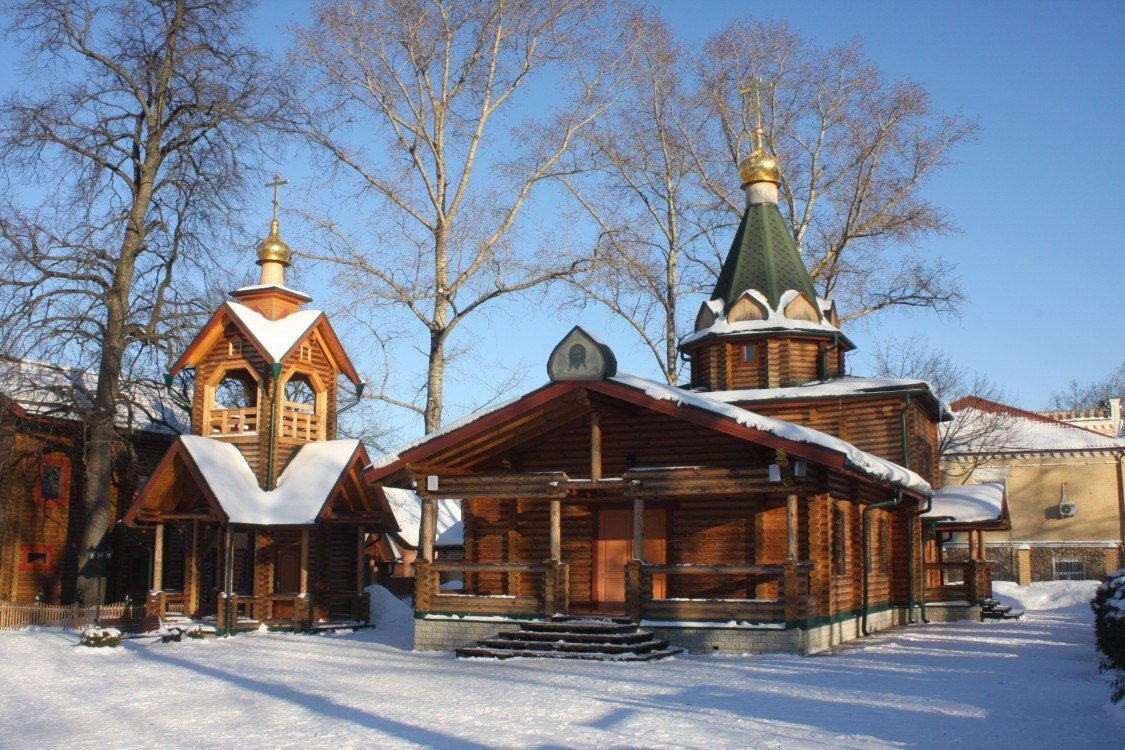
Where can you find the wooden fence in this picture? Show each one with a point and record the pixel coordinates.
(69, 617)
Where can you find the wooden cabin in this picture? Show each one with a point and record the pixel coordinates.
(772, 504)
(261, 515)
(42, 480)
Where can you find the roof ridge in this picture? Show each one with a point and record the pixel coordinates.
(985, 404)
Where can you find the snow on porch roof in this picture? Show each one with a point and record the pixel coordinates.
(867, 464)
(969, 503)
(407, 507)
(301, 492)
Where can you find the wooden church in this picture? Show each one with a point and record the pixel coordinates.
(260, 515)
(772, 504)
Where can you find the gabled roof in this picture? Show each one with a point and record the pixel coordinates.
(303, 489)
(274, 339)
(407, 507)
(44, 389)
(961, 506)
(802, 442)
(1028, 432)
(763, 257)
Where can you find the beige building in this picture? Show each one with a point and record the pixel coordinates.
(1064, 487)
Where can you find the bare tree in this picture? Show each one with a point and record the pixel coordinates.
(1091, 394)
(134, 143)
(414, 106)
(977, 431)
(633, 177)
(856, 151)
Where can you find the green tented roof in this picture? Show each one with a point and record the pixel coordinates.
(763, 257)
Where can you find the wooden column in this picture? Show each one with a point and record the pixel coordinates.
(639, 529)
(556, 530)
(360, 564)
(791, 521)
(595, 447)
(304, 561)
(971, 538)
(429, 524)
(158, 558)
(192, 577)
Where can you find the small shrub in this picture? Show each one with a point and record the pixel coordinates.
(101, 637)
(1109, 628)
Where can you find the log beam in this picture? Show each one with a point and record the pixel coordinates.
(304, 561)
(556, 530)
(429, 524)
(791, 521)
(158, 558)
(361, 555)
(595, 446)
(639, 529)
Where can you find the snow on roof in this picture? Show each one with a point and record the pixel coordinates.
(842, 386)
(51, 390)
(279, 287)
(407, 507)
(277, 337)
(871, 465)
(302, 489)
(1024, 431)
(866, 463)
(775, 322)
(969, 503)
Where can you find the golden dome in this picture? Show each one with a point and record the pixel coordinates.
(273, 248)
(759, 166)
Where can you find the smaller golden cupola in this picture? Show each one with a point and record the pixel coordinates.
(760, 171)
(274, 253)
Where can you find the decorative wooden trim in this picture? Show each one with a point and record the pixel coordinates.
(48, 565)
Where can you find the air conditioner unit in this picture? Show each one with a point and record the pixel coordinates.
(1067, 508)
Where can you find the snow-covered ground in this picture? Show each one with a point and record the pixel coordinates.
(1044, 595)
(1011, 684)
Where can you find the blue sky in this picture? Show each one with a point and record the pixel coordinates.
(1037, 196)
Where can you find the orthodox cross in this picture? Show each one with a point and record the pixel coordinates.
(756, 88)
(276, 185)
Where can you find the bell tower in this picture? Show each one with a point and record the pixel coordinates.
(764, 326)
(266, 370)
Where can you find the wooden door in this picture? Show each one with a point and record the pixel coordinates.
(288, 573)
(614, 548)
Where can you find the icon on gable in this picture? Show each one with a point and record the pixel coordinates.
(579, 356)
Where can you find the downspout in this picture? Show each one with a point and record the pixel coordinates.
(910, 556)
(867, 552)
(228, 574)
(909, 519)
(1121, 509)
(275, 368)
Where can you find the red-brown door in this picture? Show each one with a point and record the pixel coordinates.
(614, 548)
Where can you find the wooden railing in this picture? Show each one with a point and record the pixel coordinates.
(67, 617)
(968, 580)
(233, 421)
(792, 602)
(552, 596)
(299, 421)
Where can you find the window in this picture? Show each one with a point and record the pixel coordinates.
(749, 353)
(234, 348)
(37, 558)
(50, 487)
(839, 541)
(237, 390)
(300, 391)
(54, 480)
(306, 353)
(1070, 569)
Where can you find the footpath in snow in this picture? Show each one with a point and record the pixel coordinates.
(1016, 684)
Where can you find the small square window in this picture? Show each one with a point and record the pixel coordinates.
(306, 353)
(234, 348)
(50, 487)
(37, 558)
(749, 352)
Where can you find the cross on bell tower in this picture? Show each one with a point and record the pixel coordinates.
(756, 87)
(273, 254)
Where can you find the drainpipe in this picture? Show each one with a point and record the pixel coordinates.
(909, 517)
(275, 368)
(910, 556)
(867, 552)
(228, 574)
(1121, 509)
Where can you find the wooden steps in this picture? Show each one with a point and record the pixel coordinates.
(570, 637)
(991, 609)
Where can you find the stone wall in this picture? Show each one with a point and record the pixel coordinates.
(445, 634)
(1099, 560)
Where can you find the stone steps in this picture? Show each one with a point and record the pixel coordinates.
(573, 637)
